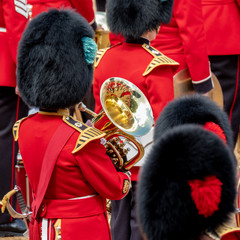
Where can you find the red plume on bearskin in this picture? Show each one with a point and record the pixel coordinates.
(206, 194)
(193, 109)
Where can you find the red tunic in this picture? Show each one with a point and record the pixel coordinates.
(222, 19)
(84, 7)
(76, 196)
(13, 19)
(184, 40)
(129, 61)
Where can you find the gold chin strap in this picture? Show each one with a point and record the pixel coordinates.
(59, 112)
(77, 114)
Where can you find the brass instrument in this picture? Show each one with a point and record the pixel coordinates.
(126, 115)
(102, 38)
(102, 32)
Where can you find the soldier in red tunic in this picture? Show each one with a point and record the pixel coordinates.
(151, 71)
(13, 19)
(68, 169)
(223, 48)
(184, 40)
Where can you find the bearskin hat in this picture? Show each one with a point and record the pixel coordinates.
(187, 185)
(131, 18)
(195, 109)
(55, 59)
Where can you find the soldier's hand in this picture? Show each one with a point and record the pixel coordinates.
(115, 150)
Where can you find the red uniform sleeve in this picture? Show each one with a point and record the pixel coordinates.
(238, 3)
(15, 17)
(188, 16)
(85, 8)
(100, 172)
(160, 88)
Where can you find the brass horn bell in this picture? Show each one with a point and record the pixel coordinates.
(126, 114)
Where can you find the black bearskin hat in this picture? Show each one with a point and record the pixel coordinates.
(187, 185)
(131, 18)
(55, 59)
(196, 109)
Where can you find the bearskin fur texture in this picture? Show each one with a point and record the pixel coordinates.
(186, 152)
(192, 109)
(52, 71)
(131, 18)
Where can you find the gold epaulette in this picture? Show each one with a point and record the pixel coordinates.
(158, 60)
(87, 135)
(99, 56)
(15, 129)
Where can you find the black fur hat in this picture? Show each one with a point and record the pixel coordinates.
(187, 185)
(196, 109)
(55, 59)
(131, 18)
